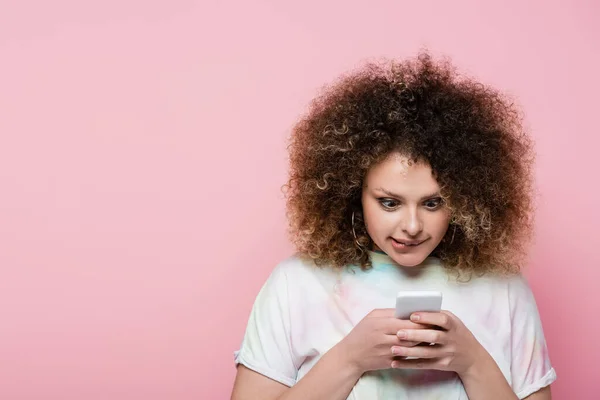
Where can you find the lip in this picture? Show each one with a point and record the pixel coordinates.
(408, 242)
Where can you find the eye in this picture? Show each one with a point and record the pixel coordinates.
(434, 204)
(388, 204)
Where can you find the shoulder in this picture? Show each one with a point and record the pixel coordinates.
(512, 291)
(492, 292)
(515, 285)
(295, 276)
(298, 266)
(506, 283)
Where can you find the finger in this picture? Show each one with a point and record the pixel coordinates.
(419, 363)
(382, 313)
(407, 343)
(393, 325)
(418, 351)
(442, 319)
(393, 340)
(422, 335)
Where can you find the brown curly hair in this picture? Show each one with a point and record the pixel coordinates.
(470, 135)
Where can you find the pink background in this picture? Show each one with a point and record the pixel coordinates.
(142, 150)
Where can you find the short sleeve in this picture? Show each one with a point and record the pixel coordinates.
(530, 363)
(266, 347)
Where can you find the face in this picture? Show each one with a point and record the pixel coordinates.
(403, 210)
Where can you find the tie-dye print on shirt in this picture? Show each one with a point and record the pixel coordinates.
(303, 310)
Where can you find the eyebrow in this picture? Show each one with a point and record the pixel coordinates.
(429, 196)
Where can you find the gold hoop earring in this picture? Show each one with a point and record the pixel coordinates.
(354, 233)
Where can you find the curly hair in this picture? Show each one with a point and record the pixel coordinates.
(470, 135)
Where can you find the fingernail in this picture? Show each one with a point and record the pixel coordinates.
(401, 334)
(395, 350)
(415, 317)
(395, 364)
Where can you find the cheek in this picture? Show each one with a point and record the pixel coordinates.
(378, 221)
(369, 212)
(438, 225)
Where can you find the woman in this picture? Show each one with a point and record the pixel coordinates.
(406, 176)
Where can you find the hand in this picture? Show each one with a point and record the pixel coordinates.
(368, 345)
(454, 349)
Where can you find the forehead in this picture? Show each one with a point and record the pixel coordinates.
(398, 174)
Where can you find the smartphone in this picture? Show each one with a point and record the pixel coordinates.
(408, 302)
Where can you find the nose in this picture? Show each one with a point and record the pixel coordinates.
(413, 225)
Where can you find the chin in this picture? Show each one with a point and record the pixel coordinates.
(409, 260)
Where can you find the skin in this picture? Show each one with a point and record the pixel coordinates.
(400, 200)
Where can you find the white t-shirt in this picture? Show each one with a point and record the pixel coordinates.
(303, 310)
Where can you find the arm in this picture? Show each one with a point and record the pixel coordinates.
(456, 350)
(486, 381)
(531, 370)
(252, 385)
(331, 378)
(365, 348)
(542, 394)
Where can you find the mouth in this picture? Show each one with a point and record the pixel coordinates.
(404, 244)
